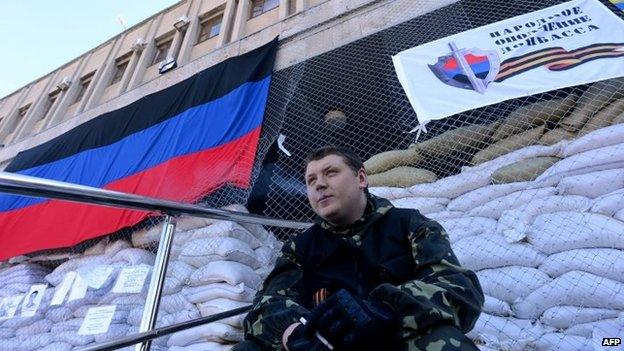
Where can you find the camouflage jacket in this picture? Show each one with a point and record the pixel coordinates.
(406, 260)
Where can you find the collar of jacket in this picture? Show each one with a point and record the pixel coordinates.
(375, 209)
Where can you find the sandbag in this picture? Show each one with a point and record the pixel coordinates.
(189, 222)
(608, 263)
(496, 307)
(533, 115)
(593, 184)
(495, 208)
(563, 342)
(562, 231)
(597, 139)
(391, 159)
(508, 145)
(146, 237)
(438, 216)
(218, 332)
(586, 329)
(179, 270)
(610, 203)
(389, 193)
(229, 272)
(38, 327)
(209, 292)
(592, 100)
(554, 136)
(402, 177)
(68, 325)
(423, 204)
(226, 229)
(219, 305)
(505, 333)
(456, 140)
(453, 186)
(72, 338)
(573, 288)
(200, 252)
(134, 257)
(618, 119)
(202, 346)
(178, 317)
(513, 224)
(603, 118)
(492, 251)
(115, 331)
(175, 303)
(57, 346)
(59, 273)
(511, 283)
(463, 227)
(523, 171)
(562, 317)
(517, 155)
(482, 195)
(619, 215)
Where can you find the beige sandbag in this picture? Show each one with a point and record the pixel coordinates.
(603, 118)
(508, 145)
(554, 136)
(592, 100)
(523, 171)
(402, 177)
(390, 159)
(456, 140)
(533, 115)
(618, 120)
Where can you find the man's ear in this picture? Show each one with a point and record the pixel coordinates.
(362, 178)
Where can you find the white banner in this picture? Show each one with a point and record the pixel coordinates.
(573, 43)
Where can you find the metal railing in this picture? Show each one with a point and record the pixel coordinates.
(45, 188)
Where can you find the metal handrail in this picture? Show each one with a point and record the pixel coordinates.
(39, 187)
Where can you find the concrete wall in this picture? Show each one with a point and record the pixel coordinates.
(311, 28)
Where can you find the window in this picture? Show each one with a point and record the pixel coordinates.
(120, 69)
(52, 97)
(21, 113)
(261, 6)
(84, 85)
(209, 28)
(161, 51)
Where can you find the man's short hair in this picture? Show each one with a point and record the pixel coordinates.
(350, 158)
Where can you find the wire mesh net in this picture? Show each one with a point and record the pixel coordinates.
(529, 190)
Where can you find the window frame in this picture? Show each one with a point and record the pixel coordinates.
(209, 22)
(85, 81)
(254, 6)
(164, 41)
(123, 61)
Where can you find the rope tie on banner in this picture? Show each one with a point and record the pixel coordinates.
(420, 128)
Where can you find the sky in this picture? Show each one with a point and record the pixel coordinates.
(38, 36)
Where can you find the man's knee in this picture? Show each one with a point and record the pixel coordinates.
(246, 345)
(442, 338)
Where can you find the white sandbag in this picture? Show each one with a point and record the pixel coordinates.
(115, 331)
(219, 305)
(460, 228)
(586, 329)
(608, 263)
(438, 216)
(496, 307)
(229, 272)
(513, 224)
(517, 155)
(6, 333)
(619, 215)
(453, 186)
(202, 346)
(492, 251)
(597, 139)
(389, 193)
(480, 196)
(135, 315)
(562, 317)
(57, 346)
(573, 288)
(179, 270)
(511, 283)
(265, 255)
(422, 204)
(172, 286)
(178, 317)
(505, 333)
(562, 231)
(563, 342)
(495, 208)
(59, 273)
(175, 303)
(609, 204)
(209, 292)
(17, 321)
(593, 184)
(607, 330)
(218, 332)
(148, 236)
(114, 247)
(134, 257)
(226, 229)
(608, 157)
(38, 327)
(72, 338)
(68, 325)
(200, 252)
(30, 343)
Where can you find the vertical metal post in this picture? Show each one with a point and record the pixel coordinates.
(150, 312)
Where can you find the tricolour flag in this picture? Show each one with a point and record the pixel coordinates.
(181, 143)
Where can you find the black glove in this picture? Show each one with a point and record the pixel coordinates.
(352, 323)
(299, 341)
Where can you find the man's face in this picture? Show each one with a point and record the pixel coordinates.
(334, 190)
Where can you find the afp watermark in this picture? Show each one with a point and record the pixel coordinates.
(611, 341)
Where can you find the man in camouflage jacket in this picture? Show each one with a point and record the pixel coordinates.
(379, 254)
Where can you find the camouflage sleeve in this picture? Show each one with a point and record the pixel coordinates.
(275, 306)
(442, 293)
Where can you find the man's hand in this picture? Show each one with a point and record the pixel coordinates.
(350, 323)
(295, 339)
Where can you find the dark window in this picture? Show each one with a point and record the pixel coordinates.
(84, 85)
(22, 112)
(48, 106)
(161, 51)
(210, 28)
(261, 6)
(120, 69)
